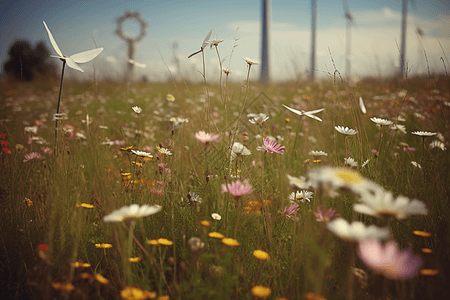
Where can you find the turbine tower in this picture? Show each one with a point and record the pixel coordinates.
(402, 51)
(265, 77)
(313, 38)
(348, 39)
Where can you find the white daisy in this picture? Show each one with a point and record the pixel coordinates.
(340, 178)
(250, 61)
(137, 109)
(216, 216)
(437, 144)
(317, 153)
(383, 203)
(416, 164)
(400, 118)
(381, 122)
(350, 162)
(257, 119)
(227, 71)
(170, 98)
(419, 116)
(356, 231)
(31, 129)
(142, 153)
(132, 213)
(399, 127)
(423, 133)
(238, 149)
(214, 43)
(300, 196)
(297, 182)
(164, 151)
(345, 130)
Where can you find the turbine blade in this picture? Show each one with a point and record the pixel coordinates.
(294, 110)
(84, 57)
(315, 111)
(205, 41)
(313, 116)
(71, 63)
(52, 40)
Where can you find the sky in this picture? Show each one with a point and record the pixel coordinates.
(177, 28)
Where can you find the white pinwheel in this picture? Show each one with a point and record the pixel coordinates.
(72, 60)
(204, 44)
(306, 113)
(137, 64)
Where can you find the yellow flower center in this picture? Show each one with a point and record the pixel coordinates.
(350, 177)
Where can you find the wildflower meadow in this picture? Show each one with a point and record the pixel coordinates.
(219, 189)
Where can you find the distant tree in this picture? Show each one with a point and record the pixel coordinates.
(24, 62)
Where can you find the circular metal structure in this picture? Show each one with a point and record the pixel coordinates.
(137, 17)
(131, 40)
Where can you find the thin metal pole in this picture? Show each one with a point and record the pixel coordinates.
(403, 46)
(348, 50)
(313, 38)
(265, 77)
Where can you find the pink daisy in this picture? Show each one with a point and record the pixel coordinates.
(271, 146)
(207, 138)
(325, 216)
(388, 260)
(32, 156)
(291, 211)
(237, 188)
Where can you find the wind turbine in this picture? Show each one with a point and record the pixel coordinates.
(348, 39)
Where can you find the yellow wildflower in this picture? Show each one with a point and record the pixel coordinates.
(153, 242)
(28, 202)
(164, 242)
(261, 255)
(103, 246)
(63, 286)
(101, 279)
(230, 242)
(429, 272)
(421, 233)
(128, 148)
(80, 264)
(85, 205)
(261, 291)
(135, 259)
(204, 223)
(132, 293)
(216, 235)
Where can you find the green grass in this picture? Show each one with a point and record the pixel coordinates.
(304, 256)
